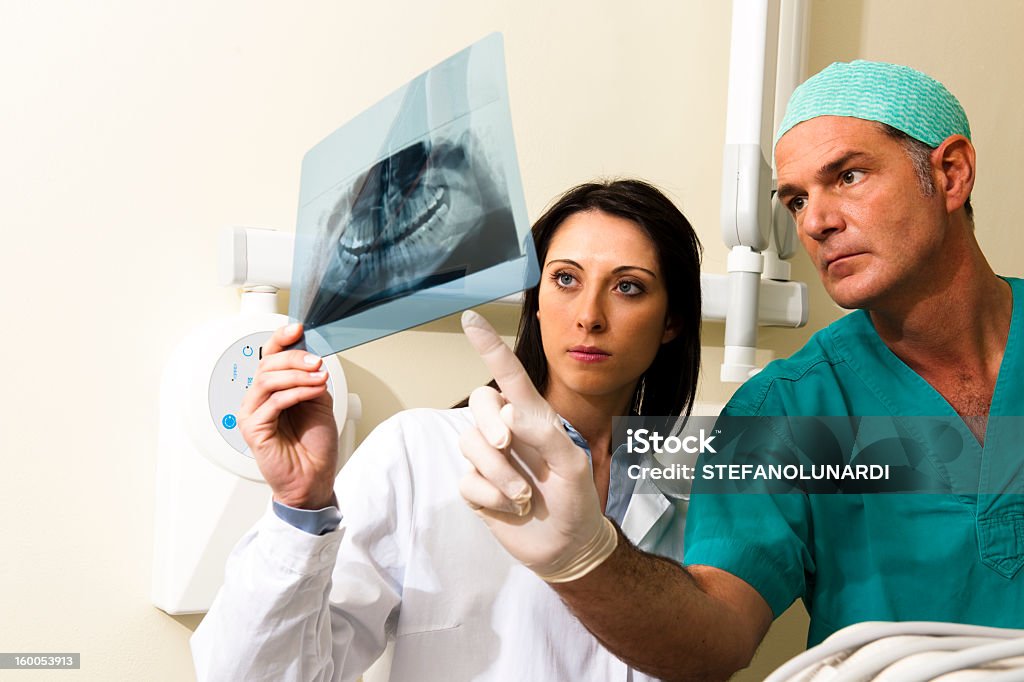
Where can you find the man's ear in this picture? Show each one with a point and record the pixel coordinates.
(954, 160)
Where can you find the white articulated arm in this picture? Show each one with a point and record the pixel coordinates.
(756, 249)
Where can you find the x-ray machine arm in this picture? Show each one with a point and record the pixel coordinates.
(766, 59)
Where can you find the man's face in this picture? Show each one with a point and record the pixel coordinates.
(859, 210)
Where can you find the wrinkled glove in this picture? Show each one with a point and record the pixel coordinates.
(530, 483)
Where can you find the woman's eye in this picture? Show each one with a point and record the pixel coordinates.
(630, 288)
(564, 279)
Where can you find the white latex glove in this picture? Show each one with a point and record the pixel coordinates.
(531, 484)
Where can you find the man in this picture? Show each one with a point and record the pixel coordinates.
(876, 165)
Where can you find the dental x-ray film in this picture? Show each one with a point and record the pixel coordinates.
(413, 210)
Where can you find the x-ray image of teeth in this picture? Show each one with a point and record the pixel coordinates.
(414, 209)
(428, 214)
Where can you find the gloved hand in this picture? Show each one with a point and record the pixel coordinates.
(530, 483)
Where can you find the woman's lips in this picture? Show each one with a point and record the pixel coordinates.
(588, 354)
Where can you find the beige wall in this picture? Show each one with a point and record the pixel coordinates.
(133, 130)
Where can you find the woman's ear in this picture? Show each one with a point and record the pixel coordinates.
(671, 330)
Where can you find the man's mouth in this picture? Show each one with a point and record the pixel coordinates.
(840, 258)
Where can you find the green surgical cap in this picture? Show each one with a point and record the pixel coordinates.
(899, 96)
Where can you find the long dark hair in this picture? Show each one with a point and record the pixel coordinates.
(668, 386)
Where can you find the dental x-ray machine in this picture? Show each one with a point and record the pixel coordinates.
(209, 489)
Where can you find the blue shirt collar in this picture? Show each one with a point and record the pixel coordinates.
(620, 486)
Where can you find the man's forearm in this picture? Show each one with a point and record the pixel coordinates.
(657, 617)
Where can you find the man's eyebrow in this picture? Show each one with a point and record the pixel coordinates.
(786, 190)
(833, 167)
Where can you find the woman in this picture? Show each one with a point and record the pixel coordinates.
(612, 329)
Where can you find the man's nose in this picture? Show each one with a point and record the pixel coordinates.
(821, 217)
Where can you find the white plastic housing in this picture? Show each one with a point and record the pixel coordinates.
(208, 494)
(746, 210)
(250, 256)
(746, 172)
(738, 365)
(794, 24)
(780, 304)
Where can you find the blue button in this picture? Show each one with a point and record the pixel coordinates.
(229, 421)
(247, 351)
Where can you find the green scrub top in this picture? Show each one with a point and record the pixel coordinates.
(890, 557)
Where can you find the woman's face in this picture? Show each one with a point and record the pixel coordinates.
(602, 306)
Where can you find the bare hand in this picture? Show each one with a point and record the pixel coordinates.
(287, 418)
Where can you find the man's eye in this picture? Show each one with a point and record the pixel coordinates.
(797, 204)
(851, 176)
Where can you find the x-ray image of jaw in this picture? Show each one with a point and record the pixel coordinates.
(430, 213)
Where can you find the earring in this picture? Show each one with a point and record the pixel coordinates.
(638, 404)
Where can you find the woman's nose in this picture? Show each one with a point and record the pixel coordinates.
(590, 315)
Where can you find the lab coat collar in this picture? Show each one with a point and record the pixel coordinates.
(647, 504)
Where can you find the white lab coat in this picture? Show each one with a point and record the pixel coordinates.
(413, 563)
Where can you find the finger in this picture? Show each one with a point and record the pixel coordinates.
(290, 359)
(494, 466)
(282, 338)
(485, 403)
(480, 494)
(504, 366)
(280, 362)
(550, 442)
(267, 383)
(265, 417)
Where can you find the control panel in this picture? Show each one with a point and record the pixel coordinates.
(231, 378)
